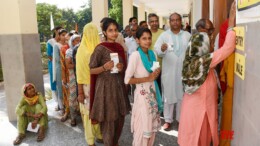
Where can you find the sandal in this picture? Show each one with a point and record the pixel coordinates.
(64, 118)
(166, 126)
(41, 134)
(57, 108)
(73, 122)
(99, 140)
(19, 139)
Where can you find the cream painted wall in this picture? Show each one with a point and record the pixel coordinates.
(99, 11)
(127, 11)
(141, 12)
(12, 22)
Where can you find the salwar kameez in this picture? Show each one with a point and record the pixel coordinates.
(199, 117)
(23, 107)
(65, 77)
(72, 87)
(57, 73)
(145, 120)
(110, 103)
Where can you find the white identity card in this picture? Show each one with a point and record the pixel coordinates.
(29, 128)
(155, 66)
(115, 59)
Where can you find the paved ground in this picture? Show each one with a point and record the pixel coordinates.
(62, 134)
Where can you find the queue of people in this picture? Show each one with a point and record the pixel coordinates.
(89, 75)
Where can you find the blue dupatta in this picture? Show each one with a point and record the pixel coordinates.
(148, 64)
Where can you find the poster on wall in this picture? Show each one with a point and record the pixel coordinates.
(247, 4)
(240, 38)
(248, 11)
(240, 65)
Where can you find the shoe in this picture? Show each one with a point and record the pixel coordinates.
(166, 126)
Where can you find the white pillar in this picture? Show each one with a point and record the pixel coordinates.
(99, 11)
(20, 50)
(141, 12)
(196, 12)
(211, 10)
(127, 11)
(161, 21)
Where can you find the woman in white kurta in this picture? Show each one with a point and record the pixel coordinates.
(145, 113)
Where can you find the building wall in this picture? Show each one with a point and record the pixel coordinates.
(246, 101)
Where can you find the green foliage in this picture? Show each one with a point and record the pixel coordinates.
(61, 17)
(84, 16)
(116, 11)
(44, 11)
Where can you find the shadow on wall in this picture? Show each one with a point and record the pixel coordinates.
(1, 71)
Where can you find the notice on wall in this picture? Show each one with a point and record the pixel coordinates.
(248, 11)
(240, 63)
(247, 4)
(240, 38)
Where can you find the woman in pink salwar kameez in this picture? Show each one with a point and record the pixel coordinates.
(145, 120)
(199, 118)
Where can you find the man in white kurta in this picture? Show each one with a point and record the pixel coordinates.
(171, 46)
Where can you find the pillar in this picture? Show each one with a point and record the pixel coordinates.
(196, 12)
(141, 12)
(99, 11)
(127, 11)
(20, 50)
(161, 21)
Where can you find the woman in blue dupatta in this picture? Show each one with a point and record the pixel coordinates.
(147, 106)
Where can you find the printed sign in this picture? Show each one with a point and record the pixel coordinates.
(240, 38)
(247, 4)
(240, 63)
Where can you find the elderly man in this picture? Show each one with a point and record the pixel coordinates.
(171, 46)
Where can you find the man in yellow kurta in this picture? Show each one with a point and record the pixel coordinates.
(153, 21)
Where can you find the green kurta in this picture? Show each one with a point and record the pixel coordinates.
(23, 107)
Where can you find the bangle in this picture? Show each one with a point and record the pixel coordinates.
(104, 68)
(230, 29)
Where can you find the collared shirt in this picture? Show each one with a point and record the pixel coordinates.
(131, 44)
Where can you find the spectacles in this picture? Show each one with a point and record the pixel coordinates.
(210, 30)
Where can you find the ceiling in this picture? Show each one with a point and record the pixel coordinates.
(166, 7)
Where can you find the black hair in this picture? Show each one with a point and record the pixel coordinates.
(142, 22)
(57, 28)
(152, 15)
(201, 24)
(131, 19)
(141, 31)
(175, 14)
(54, 35)
(62, 31)
(104, 19)
(107, 22)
